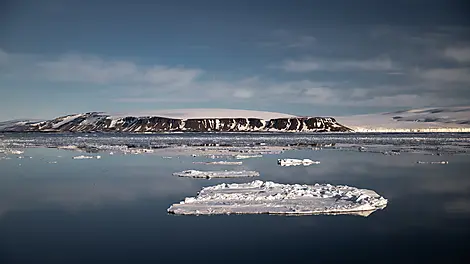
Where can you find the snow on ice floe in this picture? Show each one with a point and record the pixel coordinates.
(432, 162)
(86, 157)
(216, 174)
(296, 162)
(260, 197)
(248, 156)
(219, 162)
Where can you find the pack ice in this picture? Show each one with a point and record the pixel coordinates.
(296, 162)
(260, 197)
(216, 174)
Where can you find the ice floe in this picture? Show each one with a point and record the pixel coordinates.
(248, 156)
(260, 197)
(432, 162)
(216, 174)
(219, 162)
(86, 157)
(296, 162)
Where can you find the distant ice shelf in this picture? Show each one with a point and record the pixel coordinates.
(260, 197)
(296, 162)
(216, 174)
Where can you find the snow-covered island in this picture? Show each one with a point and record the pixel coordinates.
(216, 174)
(260, 197)
(435, 119)
(182, 120)
(296, 162)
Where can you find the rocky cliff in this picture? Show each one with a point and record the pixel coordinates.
(100, 122)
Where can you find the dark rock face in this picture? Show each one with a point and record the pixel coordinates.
(98, 122)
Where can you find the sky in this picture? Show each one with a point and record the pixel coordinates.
(300, 57)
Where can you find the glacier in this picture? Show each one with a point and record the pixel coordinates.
(259, 197)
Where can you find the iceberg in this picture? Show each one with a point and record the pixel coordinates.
(296, 162)
(258, 197)
(216, 174)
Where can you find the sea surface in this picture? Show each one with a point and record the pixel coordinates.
(56, 209)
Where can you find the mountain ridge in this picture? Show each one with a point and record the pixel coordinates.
(102, 122)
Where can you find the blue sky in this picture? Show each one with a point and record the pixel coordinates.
(300, 57)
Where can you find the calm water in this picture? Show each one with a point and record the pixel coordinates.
(113, 210)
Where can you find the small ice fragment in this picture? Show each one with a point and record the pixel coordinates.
(16, 152)
(248, 156)
(111, 153)
(296, 162)
(52, 162)
(166, 157)
(219, 162)
(98, 157)
(82, 157)
(432, 162)
(260, 197)
(216, 174)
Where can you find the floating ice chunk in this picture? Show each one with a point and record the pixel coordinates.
(85, 157)
(166, 157)
(216, 174)
(248, 156)
(16, 152)
(296, 162)
(391, 152)
(260, 197)
(219, 162)
(432, 162)
(71, 147)
(52, 162)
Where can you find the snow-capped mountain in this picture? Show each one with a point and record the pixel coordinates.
(436, 119)
(221, 121)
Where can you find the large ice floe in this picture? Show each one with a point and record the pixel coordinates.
(260, 197)
(296, 162)
(216, 174)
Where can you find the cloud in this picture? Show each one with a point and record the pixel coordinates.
(451, 75)
(243, 93)
(88, 69)
(308, 65)
(126, 81)
(460, 54)
(286, 39)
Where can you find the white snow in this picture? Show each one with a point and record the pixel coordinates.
(66, 120)
(216, 174)
(206, 113)
(296, 162)
(445, 119)
(260, 197)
